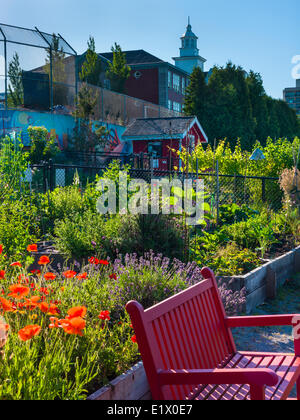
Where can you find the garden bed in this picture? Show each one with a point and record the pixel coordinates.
(264, 281)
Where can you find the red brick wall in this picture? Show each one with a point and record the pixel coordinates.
(146, 87)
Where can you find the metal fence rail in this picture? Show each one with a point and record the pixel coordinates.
(220, 189)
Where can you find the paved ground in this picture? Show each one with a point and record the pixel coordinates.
(273, 339)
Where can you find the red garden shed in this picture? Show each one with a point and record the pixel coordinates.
(156, 136)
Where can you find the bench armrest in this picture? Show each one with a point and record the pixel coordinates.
(265, 377)
(269, 321)
(256, 377)
(262, 321)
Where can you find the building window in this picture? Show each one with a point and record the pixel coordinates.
(177, 106)
(183, 85)
(170, 104)
(155, 149)
(176, 82)
(169, 79)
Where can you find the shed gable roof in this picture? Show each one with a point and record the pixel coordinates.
(155, 128)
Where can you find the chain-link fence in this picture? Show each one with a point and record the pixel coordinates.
(116, 108)
(40, 72)
(37, 71)
(220, 190)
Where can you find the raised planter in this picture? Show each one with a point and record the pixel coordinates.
(132, 385)
(263, 282)
(260, 284)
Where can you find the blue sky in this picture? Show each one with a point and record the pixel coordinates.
(257, 34)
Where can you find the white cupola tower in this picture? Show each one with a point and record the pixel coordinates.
(189, 52)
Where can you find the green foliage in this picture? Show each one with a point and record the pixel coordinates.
(118, 71)
(76, 236)
(19, 226)
(224, 258)
(279, 154)
(13, 162)
(231, 260)
(234, 105)
(256, 233)
(87, 133)
(91, 68)
(233, 213)
(15, 86)
(42, 147)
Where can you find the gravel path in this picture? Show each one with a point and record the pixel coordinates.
(272, 339)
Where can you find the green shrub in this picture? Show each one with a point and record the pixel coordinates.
(232, 213)
(19, 226)
(82, 234)
(42, 147)
(231, 260)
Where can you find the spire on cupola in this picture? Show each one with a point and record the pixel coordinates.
(189, 42)
(189, 52)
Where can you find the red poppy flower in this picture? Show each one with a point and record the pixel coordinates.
(22, 277)
(113, 277)
(54, 322)
(44, 260)
(2, 274)
(6, 305)
(16, 264)
(104, 315)
(77, 311)
(133, 339)
(32, 303)
(74, 326)
(70, 274)
(103, 262)
(32, 248)
(49, 276)
(82, 276)
(1, 249)
(29, 332)
(44, 291)
(48, 309)
(18, 291)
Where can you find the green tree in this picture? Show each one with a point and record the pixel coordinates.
(196, 98)
(118, 71)
(91, 68)
(234, 105)
(258, 99)
(42, 147)
(87, 133)
(15, 87)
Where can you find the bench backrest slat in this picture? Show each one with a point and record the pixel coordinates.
(187, 331)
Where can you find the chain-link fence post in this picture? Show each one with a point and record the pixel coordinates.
(263, 190)
(51, 175)
(217, 191)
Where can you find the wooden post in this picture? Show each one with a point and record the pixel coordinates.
(271, 283)
(297, 261)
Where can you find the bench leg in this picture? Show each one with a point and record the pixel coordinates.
(257, 393)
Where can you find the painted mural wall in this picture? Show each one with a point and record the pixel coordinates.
(59, 125)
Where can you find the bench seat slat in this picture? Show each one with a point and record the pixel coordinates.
(287, 367)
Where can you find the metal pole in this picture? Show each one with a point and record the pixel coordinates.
(51, 68)
(51, 80)
(218, 192)
(5, 67)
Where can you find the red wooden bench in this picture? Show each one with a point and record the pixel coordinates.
(189, 353)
